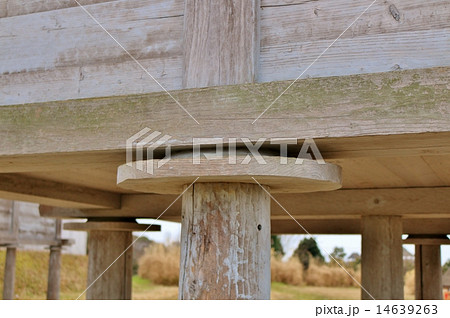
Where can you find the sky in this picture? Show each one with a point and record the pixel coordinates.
(170, 232)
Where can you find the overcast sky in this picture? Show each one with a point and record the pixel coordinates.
(170, 232)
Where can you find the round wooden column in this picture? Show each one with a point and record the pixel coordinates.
(10, 273)
(225, 242)
(54, 272)
(428, 271)
(382, 257)
(109, 271)
(225, 239)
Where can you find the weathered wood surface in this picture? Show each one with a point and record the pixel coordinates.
(376, 104)
(10, 273)
(22, 7)
(225, 242)
(353, 226)
(54, 273)
(221, 42)
(428, 272)
(17, 187)
(75, 58)
(382, 257)
(111, 226)
(104, 248)
(294, 33)
(347, 203)
(291, 177)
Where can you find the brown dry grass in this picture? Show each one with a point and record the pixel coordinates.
(289, 272)
(330, 276)
(160, 264)
(409, 283)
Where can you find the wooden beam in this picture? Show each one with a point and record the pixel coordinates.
(17, 187)
(418, 100)
(332, 149)
(353, 226)
(408, 202)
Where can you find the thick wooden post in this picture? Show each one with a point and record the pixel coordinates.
(110, 252)
(103, 248)
(10, 272)
(54, 272)
(225, 242)
(382, 257)
(428, 272)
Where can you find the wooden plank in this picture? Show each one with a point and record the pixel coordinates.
(294, 34)
(221, 42)
(377, 104)
(82, 59)
(410, 203)
(17, 187)
(22, 7)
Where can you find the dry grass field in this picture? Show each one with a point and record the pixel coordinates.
(32, 267)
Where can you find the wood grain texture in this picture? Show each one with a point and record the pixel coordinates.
(221, 42)
(382, 257)
(104, 248)
(17, 187)
(225, 242)
(294, 34)
(292, 177)
(76, 58)
(377, 104)
(9, 273)
(54, 273)
(348, 203)
(353, 226)
(111, 226)
(428, 272)
(22, 7)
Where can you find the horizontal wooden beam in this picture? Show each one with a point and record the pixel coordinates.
(410, 226)
(415, 101)
(340, 204)
(332, 149)
(22, 188)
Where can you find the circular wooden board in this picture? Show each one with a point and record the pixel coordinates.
(310, 176)
(111, 226)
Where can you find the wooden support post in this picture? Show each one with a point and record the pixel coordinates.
(428, 272)
(54, 270)
(382, 257)
(225, 242)
(10, 272)
(103, 249)
(110, 252)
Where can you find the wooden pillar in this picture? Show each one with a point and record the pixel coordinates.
(225, 242)
(54, 272)
(382, 257)
(10, 272)
(103, 249)
(110, 255)
(428, 272)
